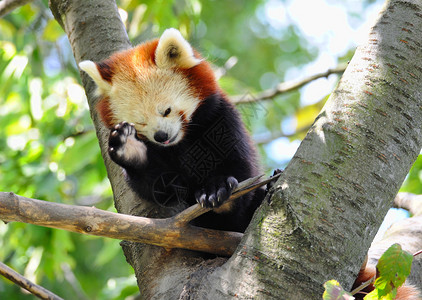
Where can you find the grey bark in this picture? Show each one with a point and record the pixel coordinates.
(334, 193)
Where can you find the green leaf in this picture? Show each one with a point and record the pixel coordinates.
(109, 251)
(306, 115)
(81, 154)
(393, 268)
(7, 30)
(374, 295)
(334, 291)
(52, 31)
(412, 184)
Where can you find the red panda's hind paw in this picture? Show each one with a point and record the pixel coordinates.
(216, 191)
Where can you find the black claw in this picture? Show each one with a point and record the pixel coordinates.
(216, 192)
(222, 195)
(202, 200)
(197, 195)
(232, 183)
(212, 200)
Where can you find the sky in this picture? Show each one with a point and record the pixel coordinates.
(333, 32)
(326, 25)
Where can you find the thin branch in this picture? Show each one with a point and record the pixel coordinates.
(28, 285)
(196, 210)
(93, 221)
(285, 87)
(230, 63)
(272, 137)
(73, 281)
(7, 6)
(363, 285)
(169, 233)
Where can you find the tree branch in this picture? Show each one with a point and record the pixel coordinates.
(174, 232)
(196, 210)
(93, 221)
(272, 137)
(7, 6)
(285, 87)
(28, 285)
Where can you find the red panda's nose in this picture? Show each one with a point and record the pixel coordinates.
(161, 136)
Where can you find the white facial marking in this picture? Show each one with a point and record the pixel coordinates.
(144, 100)
(141, 94)
(103, 87)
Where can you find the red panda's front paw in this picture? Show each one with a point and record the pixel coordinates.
(216, 191)
(124, 148)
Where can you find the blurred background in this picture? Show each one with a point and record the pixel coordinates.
(48, 147)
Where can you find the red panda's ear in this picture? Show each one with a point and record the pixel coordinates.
(174, 51)
(101, 73)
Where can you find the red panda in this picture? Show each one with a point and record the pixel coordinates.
(368, 271)
(168, 117)
(407, 233)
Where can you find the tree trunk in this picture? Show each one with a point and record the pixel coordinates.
(342, 180)
(332, 197)
(95, 31)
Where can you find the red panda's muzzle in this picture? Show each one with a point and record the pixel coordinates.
(162, 137)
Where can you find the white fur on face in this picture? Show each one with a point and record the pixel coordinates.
(142, 97)
(143, 101)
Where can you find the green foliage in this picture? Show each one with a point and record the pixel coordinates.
(393, 269)
(306, 115)
(334, 291)
(48, 148)
(412, 184)
(49, 151)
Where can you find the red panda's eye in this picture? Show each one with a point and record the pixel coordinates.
(167, 112)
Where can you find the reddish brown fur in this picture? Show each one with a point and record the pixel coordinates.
(103, 108)
(106, 70)
(201, 77)
(144, 85)
(183, 116)
(405, 292)
(143, 54)
(408, 293)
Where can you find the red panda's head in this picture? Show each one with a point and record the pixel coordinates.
(157, 86)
